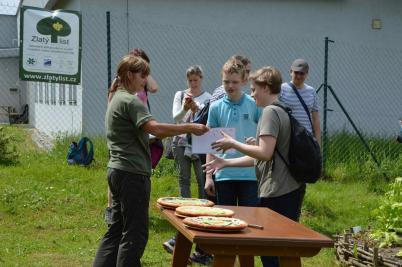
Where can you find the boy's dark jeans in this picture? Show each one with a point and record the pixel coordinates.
(237, 193)
(125, 241)
(288, 205)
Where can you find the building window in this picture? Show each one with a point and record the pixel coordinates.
(53, 93)
(72, 95)
(46, 93)
(62, 94)
(40, 84)
(75, 94)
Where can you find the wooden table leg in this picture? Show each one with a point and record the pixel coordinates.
(289, 262)
(246, 261)
(181, 251)
(224, 260)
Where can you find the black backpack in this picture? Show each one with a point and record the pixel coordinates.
(304, 156)
(202, 115)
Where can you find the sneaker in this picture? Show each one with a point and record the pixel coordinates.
(108, 216)
(169, 245)
(201, 258)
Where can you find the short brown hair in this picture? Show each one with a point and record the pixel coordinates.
(244, 60)
(196, 70)
(233, 66)
(268, 76)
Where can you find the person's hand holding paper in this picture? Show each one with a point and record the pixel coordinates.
(203, 144)
(224, 143)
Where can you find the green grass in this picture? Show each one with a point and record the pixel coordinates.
(348, 159)
(51, 214)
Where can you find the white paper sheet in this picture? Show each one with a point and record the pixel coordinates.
(202, 144)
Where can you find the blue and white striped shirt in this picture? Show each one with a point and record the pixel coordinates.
(309, 96)
(218, 94)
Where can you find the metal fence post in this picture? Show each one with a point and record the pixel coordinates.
(325, 108)
(109, 64)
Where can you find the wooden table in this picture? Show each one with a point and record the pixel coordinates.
(280, 237)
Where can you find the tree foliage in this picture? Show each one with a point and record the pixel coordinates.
(389, 216)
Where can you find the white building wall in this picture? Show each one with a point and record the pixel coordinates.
(9, 66)
(364, 62)
(53, 113)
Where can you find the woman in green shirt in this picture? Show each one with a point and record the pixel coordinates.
(128, 124)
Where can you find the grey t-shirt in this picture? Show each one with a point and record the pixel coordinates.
(274, 121)
(127, 142)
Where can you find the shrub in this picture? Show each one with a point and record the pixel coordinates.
(388, 216)
(8, 151)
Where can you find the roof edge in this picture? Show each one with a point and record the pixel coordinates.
(9, 52)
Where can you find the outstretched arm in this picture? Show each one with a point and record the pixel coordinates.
(162, 130)
(215, 163)
(263, 151)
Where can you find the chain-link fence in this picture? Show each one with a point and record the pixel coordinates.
(365, 79)
(363, 106)
(10, 95)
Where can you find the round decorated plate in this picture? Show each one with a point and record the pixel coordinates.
(174, 202)
(194, 211)
(215, 224)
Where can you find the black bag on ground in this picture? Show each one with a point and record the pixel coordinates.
(304, 156)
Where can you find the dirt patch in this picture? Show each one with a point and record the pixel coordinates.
(42, 140)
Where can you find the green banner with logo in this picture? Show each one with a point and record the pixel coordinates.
(50, 48)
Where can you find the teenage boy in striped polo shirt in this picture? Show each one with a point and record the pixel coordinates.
(298, 73)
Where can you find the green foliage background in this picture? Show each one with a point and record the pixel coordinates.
(51, 214)
(8, 153)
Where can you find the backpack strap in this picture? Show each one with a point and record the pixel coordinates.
(181, 96)
(146, 94)
(302, 102)
(90, 155)
(288, 111)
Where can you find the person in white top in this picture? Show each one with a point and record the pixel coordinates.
(186, 104)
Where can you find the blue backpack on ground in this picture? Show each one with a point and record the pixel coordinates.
(81, 153)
